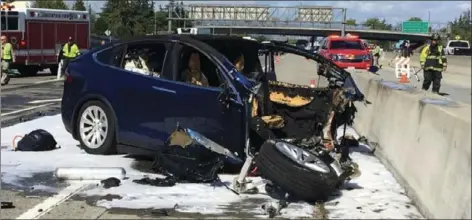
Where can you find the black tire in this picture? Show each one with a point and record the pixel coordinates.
(300, 182)
(28, 70)
(109, 145)
(53, 69)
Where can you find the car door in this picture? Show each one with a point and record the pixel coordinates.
(141, 106)
(201, 109)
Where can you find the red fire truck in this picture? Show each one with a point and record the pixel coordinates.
(38, 34)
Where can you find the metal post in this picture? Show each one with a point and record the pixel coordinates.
(155, 23)
(169, 22)
(343, 31)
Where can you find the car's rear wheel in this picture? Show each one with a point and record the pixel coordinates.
(96, 128)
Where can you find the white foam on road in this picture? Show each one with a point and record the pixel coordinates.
(375, 194)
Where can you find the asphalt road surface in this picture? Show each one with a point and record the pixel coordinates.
(377, 195)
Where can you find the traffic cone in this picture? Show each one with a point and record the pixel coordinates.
(404, 79)
(312, 83)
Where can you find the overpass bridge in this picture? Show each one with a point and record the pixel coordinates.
(318, 32)
(277, 20)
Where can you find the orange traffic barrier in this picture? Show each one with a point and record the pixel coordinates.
(404, 78)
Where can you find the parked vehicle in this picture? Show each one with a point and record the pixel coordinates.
(458, 47)
(241, 112)
(346, 52)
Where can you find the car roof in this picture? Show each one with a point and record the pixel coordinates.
(199, 41)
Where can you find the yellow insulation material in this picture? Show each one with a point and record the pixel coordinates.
(296, 101)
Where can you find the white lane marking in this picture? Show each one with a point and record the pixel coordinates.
(53, 201)
(44, 101)
(49, 80)
(25, 109)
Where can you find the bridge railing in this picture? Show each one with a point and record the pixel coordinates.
(327, 17)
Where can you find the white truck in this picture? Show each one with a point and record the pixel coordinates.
(458, 47)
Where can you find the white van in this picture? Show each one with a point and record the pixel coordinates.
(457, 47)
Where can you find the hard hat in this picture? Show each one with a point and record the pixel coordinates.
(435, 36)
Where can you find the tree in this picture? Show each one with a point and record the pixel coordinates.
(51, 4)
(79, 5)
(415, 19)
(351, 22)
(377, 24)
(126, 18)
(461, 26)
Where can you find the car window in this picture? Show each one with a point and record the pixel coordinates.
(197, 69)
(111, 56)
(458, 44)
(346, 44)
(324, 44)
(145, 58)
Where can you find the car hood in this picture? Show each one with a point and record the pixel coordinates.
(334, 73)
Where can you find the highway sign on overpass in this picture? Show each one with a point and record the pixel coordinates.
(416, 27)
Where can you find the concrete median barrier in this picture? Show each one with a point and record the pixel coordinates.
(427, 146)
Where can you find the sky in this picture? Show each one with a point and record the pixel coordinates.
(393, 11)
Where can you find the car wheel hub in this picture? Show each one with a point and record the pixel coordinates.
(93, 127)
(302, 157)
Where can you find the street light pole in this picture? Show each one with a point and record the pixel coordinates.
(343, 30)
(155, 22)
(169, 22)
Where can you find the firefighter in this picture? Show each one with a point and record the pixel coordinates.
(7, 58)
(70, 50)
(376, 52)
(433, 61)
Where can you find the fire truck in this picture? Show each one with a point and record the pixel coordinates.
(38, 34)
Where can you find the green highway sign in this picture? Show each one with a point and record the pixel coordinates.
(415, 27)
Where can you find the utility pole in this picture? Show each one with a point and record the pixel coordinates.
(155, 22)
(343, 30)
(169, 22)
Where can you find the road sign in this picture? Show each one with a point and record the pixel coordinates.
(458, 37)
(416, 27)
(107, 32)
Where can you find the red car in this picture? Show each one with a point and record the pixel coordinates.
(346, 52)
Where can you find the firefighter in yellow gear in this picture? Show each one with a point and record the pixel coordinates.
(70, 51)
(8, 57)
(433, 62)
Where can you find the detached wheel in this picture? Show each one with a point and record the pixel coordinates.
(96, 128)
(299, 172)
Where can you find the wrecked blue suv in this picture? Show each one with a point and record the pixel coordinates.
(129, 97)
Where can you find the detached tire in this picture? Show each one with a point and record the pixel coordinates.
(297, 180)
(95, 127)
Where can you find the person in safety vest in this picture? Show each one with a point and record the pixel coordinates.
(70, 51)
(433, 61)
(376, 52)
(8, 57)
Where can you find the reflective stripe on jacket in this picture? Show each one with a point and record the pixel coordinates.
(71, 52)
(7, 51)
(433, 58)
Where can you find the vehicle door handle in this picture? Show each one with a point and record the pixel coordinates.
(164, 89)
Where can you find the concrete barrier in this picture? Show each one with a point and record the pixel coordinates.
(427, 146)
